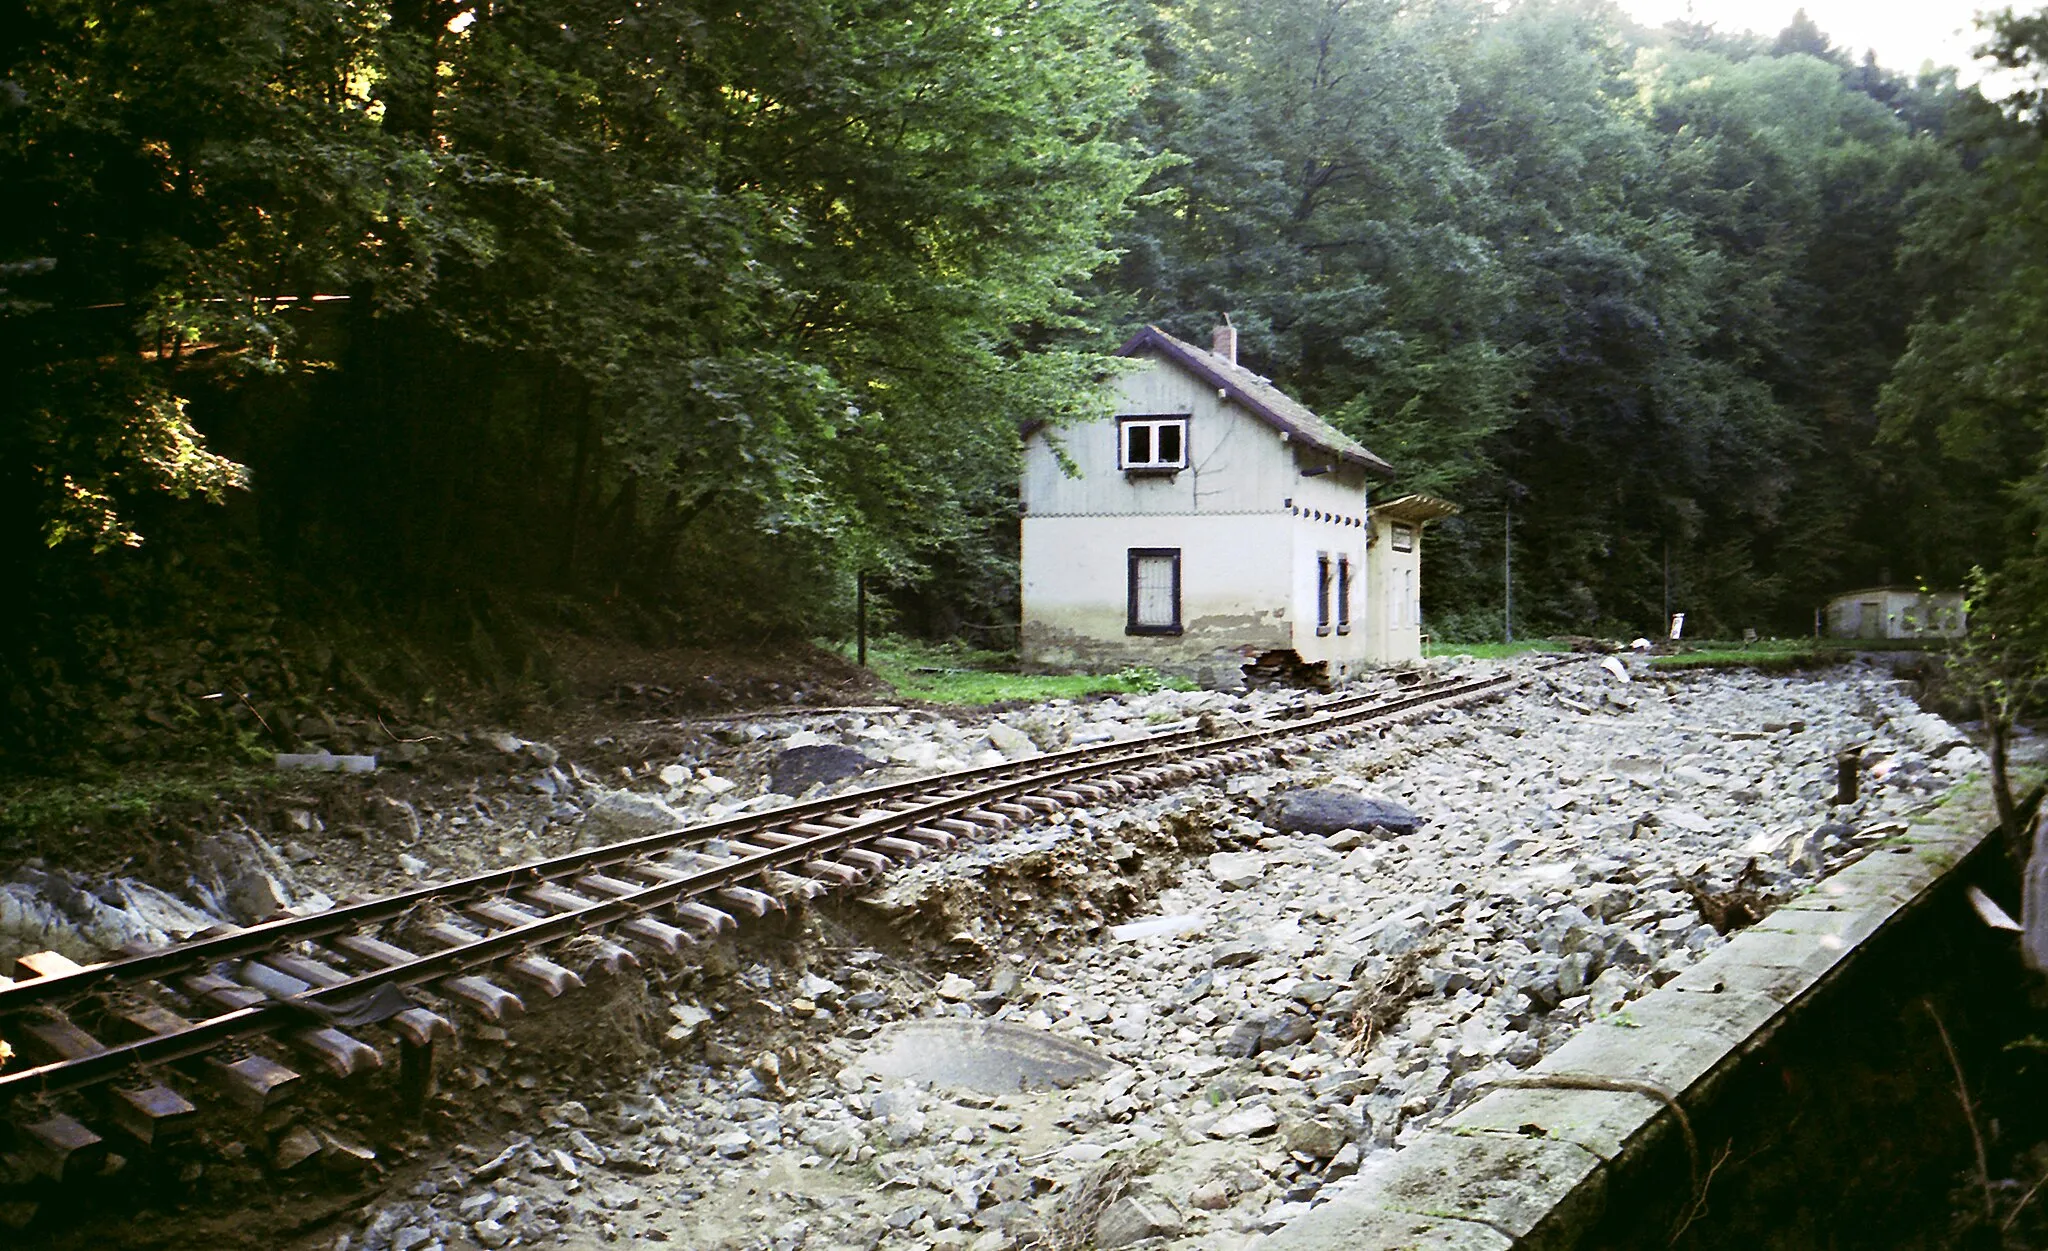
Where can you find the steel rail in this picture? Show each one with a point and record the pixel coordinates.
(1073, 766)
(269, 935)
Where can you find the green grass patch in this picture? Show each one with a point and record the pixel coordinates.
(1493, 651)
(1753, 658)
(949, 673)
(129, 795)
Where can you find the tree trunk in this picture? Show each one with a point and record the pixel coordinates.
(2000, 731)
(572, 530)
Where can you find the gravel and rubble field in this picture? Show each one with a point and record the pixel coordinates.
(1258, 998)
(1269, 1009)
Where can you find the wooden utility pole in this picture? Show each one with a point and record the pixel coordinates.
(860, 619)
(1507, 570)
(1667, 581)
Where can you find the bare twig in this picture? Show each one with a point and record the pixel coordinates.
(2025, 1199)
(1699, 1194)
(1969, 1110)
(244, 697)
(1700, 1178)
(425, 738)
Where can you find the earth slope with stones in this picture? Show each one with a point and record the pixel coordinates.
(1279, 1006)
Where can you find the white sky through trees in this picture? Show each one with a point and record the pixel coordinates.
(1904, 33)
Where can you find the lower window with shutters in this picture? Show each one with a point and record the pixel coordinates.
(1154, 604)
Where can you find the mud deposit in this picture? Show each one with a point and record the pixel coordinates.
(1287, 1005)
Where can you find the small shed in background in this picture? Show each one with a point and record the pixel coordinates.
(1393, 575)
(1896, 612)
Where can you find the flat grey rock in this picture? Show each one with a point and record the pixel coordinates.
(993, 1056)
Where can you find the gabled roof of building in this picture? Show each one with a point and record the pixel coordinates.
(1416, 509)
(1259, 397)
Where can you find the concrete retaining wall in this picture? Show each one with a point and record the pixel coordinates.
(1790, 1090)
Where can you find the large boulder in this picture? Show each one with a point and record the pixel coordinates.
(1324, 812)
(623, 814)
(800, 768)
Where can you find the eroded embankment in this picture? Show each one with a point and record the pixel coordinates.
(1303, 1006)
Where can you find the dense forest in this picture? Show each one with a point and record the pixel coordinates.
(436, 322)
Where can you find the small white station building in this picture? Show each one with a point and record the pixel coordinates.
(1897, 612)
(1212, 524)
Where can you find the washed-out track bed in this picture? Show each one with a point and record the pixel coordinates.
(116, 1048)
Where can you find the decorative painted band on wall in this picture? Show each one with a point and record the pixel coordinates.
(1307, 514)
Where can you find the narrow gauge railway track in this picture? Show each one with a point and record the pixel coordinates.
(310, 980)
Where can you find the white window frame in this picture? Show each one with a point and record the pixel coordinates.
(1153, 424)
(1135, 558)
(1402, 537)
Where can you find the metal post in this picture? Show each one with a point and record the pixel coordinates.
(1507, 571)
(1667, 579)
(860, 619)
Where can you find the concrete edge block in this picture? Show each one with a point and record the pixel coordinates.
(1604, 1122)
(1776, 982)
(1668, 1039)
(1527, 1168)
(1848, 926)
(1508, 1183)
(1342, 1225)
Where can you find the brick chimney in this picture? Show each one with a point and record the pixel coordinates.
(1224, 342)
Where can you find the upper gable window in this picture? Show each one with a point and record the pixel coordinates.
(1152, 443)
(1404, 538)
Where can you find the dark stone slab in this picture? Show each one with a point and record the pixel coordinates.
(800, 768)
(1324, 812)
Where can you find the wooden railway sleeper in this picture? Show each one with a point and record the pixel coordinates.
(844, 874)
(151, 1114)
(874, 861)
(58, 1039)
(550, 895)
(801, 830)
(660, 875)
(141, 1020)
(671, 939)
(341, 1054)
(305, 968)
(218, 992)
(926, 834)
(255, 1083)
(506, 913)
(755, 902)
(544, 973)
(449, 935)
(487, 997)
(595, 951)
(374, 950)
(43, 964)
(900, 848)
(63, 1149)
(611, 887)
(419, 1027)
(987, 816)
(705, 915)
